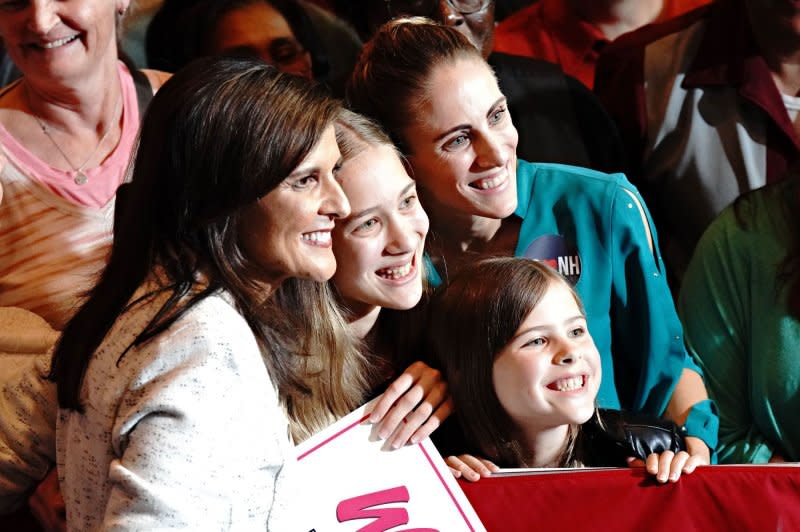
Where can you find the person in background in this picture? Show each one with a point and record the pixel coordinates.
(440, 102)
(173, 387)
(294, 36)
(572, 33)
(379, 278)
(704, 116)
(740, 307)
(257, 28)
(511, 336)
(67, 130)
(557, 118)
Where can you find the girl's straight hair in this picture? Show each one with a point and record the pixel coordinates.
(473, 318)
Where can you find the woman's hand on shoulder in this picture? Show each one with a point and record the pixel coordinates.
(668, 466)
(413, 406)
(470, 467)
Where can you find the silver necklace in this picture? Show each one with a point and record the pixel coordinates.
(80, 177)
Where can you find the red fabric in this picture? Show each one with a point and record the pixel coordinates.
(712, 498)
(620, 83)
(718, 61)
(549, 30)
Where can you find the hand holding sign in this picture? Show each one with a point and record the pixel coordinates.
(413, 406)
(351, 483)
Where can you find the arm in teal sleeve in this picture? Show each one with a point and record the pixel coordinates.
(703, 422)
(703, 419)
(714, 306)
(647, 337)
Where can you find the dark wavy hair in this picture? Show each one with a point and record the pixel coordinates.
(218, 136)
(472, 319)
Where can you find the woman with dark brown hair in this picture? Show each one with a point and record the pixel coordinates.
(175, 378)
(436, 96)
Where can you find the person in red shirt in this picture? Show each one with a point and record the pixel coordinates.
(573, 32)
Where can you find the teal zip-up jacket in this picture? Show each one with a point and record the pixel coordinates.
(595, 230)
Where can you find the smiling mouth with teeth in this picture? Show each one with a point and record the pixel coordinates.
(57, 43)
(568, 384)
(488, 183)
(397, 273)
(318, 238)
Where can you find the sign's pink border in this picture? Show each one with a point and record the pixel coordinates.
(419, 445)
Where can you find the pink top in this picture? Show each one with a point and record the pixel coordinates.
(54, 234)
(104, 179)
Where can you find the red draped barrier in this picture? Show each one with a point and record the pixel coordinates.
(725, 498)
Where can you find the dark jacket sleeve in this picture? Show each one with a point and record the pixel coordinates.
(558, 119)
(611, 436)
(603, 142)
(619, 83)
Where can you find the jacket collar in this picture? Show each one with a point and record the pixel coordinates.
(723, 61)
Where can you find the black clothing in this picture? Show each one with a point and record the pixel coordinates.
(545, 105)
(606, 440)
(611, 436)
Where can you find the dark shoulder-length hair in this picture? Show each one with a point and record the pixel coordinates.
(472, 319)
(218, 136)
(391, 75)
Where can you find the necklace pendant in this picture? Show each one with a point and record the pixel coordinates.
(80, 178)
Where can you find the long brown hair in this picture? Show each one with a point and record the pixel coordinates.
(322, 373)
(472, 319)
(219, 135)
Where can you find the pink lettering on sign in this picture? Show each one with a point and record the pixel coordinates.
(362, 507)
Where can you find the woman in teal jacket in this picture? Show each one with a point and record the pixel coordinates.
(434, 93)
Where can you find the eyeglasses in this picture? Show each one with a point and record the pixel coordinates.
(426, 8)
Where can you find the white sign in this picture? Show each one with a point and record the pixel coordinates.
(351, 483)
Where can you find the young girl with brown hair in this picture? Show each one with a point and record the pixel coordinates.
(512, 338)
